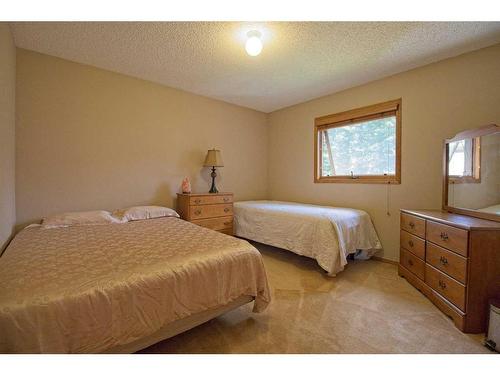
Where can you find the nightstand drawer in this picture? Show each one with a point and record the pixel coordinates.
(228, 231)
(210, 211)
(210, 199)
(218, 223)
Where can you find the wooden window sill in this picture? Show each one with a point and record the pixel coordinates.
(359, 180)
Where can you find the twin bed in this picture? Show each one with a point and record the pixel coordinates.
(118, 288)
(327, 234)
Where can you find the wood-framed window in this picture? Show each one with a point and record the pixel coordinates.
(464, 161)
(359, 146)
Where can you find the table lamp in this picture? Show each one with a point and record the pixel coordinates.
(213, 159)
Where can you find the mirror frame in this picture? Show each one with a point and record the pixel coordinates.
(473, 133)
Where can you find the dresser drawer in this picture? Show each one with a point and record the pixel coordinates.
(451, 238)
(447, 261)
(412, 243)
(413, 224)
(210, 210)
(449, 288)
(218, 223)
(412, 263)
(210, 199)
(443, 304)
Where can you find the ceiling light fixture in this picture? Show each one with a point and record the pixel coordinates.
(253, 45)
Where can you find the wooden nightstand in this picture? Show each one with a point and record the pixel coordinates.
(214, 211)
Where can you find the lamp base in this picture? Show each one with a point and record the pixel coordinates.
(213, 189)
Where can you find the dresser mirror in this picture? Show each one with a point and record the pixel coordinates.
(471, 183)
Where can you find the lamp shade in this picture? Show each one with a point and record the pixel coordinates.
(213, 159)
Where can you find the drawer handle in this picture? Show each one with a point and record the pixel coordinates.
(197, 201)
(442, 284)
(197, 212)
(410, 262)
(226, 199)
(227, 223)
(412, 224)
(410, 242)
(226, 209)
(444, 236)
(443, 261)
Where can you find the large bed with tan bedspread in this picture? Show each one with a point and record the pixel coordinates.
(92, 288)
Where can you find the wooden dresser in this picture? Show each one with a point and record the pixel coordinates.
(214, 211)
(454, 260)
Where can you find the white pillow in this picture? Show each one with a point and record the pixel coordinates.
(78, 218)
(143, 212)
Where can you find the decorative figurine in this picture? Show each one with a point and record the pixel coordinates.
(186, 186)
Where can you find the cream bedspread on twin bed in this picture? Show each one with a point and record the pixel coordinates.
(90, 288)
(327, 234)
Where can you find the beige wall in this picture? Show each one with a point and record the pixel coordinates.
(439, 100)
(89, 138)
(92, 139)
(7, 131)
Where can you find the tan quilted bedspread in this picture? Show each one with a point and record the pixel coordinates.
(90, 288)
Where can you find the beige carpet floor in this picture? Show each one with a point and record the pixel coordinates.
(367, 308)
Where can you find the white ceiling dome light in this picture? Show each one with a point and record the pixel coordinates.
(253, 45)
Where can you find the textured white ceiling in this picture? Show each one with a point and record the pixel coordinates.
(300, 60)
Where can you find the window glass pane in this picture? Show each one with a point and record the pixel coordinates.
(365, 148)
